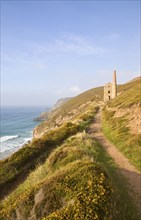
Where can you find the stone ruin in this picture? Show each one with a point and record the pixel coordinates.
(110, 89)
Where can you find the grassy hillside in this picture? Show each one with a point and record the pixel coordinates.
(121, 122)
(69, 185)
(128, 85)
(24, 160)
(131, 95)
(71, 176)
(95, 94)
(77, 181)
(72, 108)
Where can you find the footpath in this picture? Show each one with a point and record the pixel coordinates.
(132, 175)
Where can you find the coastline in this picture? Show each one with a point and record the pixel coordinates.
(17, 126)
(7, 153)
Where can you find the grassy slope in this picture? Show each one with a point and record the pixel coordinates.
(131, 95)
(72, 185)
(115, 128)
(25, 159)
(94, 95)
(28, 157)
(128, 85)
(123, 205)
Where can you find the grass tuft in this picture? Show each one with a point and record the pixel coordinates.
(116, 130)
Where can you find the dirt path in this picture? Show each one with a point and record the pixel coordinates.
(125, 168)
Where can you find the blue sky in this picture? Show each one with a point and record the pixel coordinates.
(55, 49)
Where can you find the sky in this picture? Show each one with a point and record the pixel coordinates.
(57, 49)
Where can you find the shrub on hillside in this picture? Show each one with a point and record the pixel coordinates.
(26, 158)
(69, 185)
(81, 190)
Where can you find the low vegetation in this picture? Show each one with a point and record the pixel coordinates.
(94, 95)
(66, 173)
(69, 111)
(131, 95)
(77, 181)
(123, 205)
(24, 160)
(128, 85)
(117, 129)
(75, 106)
(70, 185)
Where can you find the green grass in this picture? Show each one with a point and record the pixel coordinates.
(131, 96)
(116, 130)
(128, 85)
(92, 95)
(96, 95)
(25, 159)
(123, 205)
(77, 181)
(73, 107)
(71, 166)
(70, 183)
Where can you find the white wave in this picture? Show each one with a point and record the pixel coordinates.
(6, 138)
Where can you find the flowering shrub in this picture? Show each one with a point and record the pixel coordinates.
(82, 192)
(68, 186)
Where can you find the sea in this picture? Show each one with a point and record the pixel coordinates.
(16, 127)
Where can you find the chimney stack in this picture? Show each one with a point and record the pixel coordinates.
(114, 86)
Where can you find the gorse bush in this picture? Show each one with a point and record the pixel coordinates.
(25, 159)
(67, 177)
(84, 192)
(69, 185)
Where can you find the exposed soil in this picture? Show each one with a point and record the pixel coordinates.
(132, 175)
(132, 115)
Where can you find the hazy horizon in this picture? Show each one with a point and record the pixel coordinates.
(49, 105)
(56, 49)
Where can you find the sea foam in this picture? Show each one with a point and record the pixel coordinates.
(6, 138)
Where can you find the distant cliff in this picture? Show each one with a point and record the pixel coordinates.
(44, 115)
(60, 102)
(64, 171)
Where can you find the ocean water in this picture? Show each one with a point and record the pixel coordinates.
(16, 127)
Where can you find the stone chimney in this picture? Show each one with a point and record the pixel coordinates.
(114, 85)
